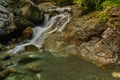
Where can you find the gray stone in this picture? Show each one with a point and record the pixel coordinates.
(3, 9)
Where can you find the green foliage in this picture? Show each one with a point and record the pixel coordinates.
(89, 4)
(78, 2)
(107, 5)
(110, 3)
(103, 16)
(97, 4)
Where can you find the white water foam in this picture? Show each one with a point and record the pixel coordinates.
(56, 22)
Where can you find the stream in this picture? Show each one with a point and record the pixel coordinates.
(50, 25)
(45, 65)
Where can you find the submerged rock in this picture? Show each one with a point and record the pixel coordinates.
(46, 66)
(72, 68)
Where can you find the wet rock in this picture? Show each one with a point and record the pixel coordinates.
(77, 69)
(31, 48)
(34, 66)
(32, 13)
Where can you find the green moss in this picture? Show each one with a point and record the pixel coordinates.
(110, 3)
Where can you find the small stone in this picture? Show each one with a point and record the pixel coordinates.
(31, 48)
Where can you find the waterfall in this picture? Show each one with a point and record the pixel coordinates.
(50, 25)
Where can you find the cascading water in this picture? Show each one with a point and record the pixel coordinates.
(55, 23)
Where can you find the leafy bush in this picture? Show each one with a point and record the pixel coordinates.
(89, 4)
(110, 3)
(97, 4)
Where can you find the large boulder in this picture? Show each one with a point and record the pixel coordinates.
(32, 13)
(4, 20)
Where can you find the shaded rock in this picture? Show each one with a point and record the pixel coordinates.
(31, 48)
(32, 13)
(20, 22)
(18, 34)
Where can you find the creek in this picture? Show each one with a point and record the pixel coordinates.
(51, 24)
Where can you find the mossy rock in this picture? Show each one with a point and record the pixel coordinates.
(22, 22)
(31, 48)
(32, 13)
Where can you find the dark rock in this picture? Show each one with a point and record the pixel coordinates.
(22, 22)
(31, 48)
(32, 13)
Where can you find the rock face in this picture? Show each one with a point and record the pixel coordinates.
(89, 37)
